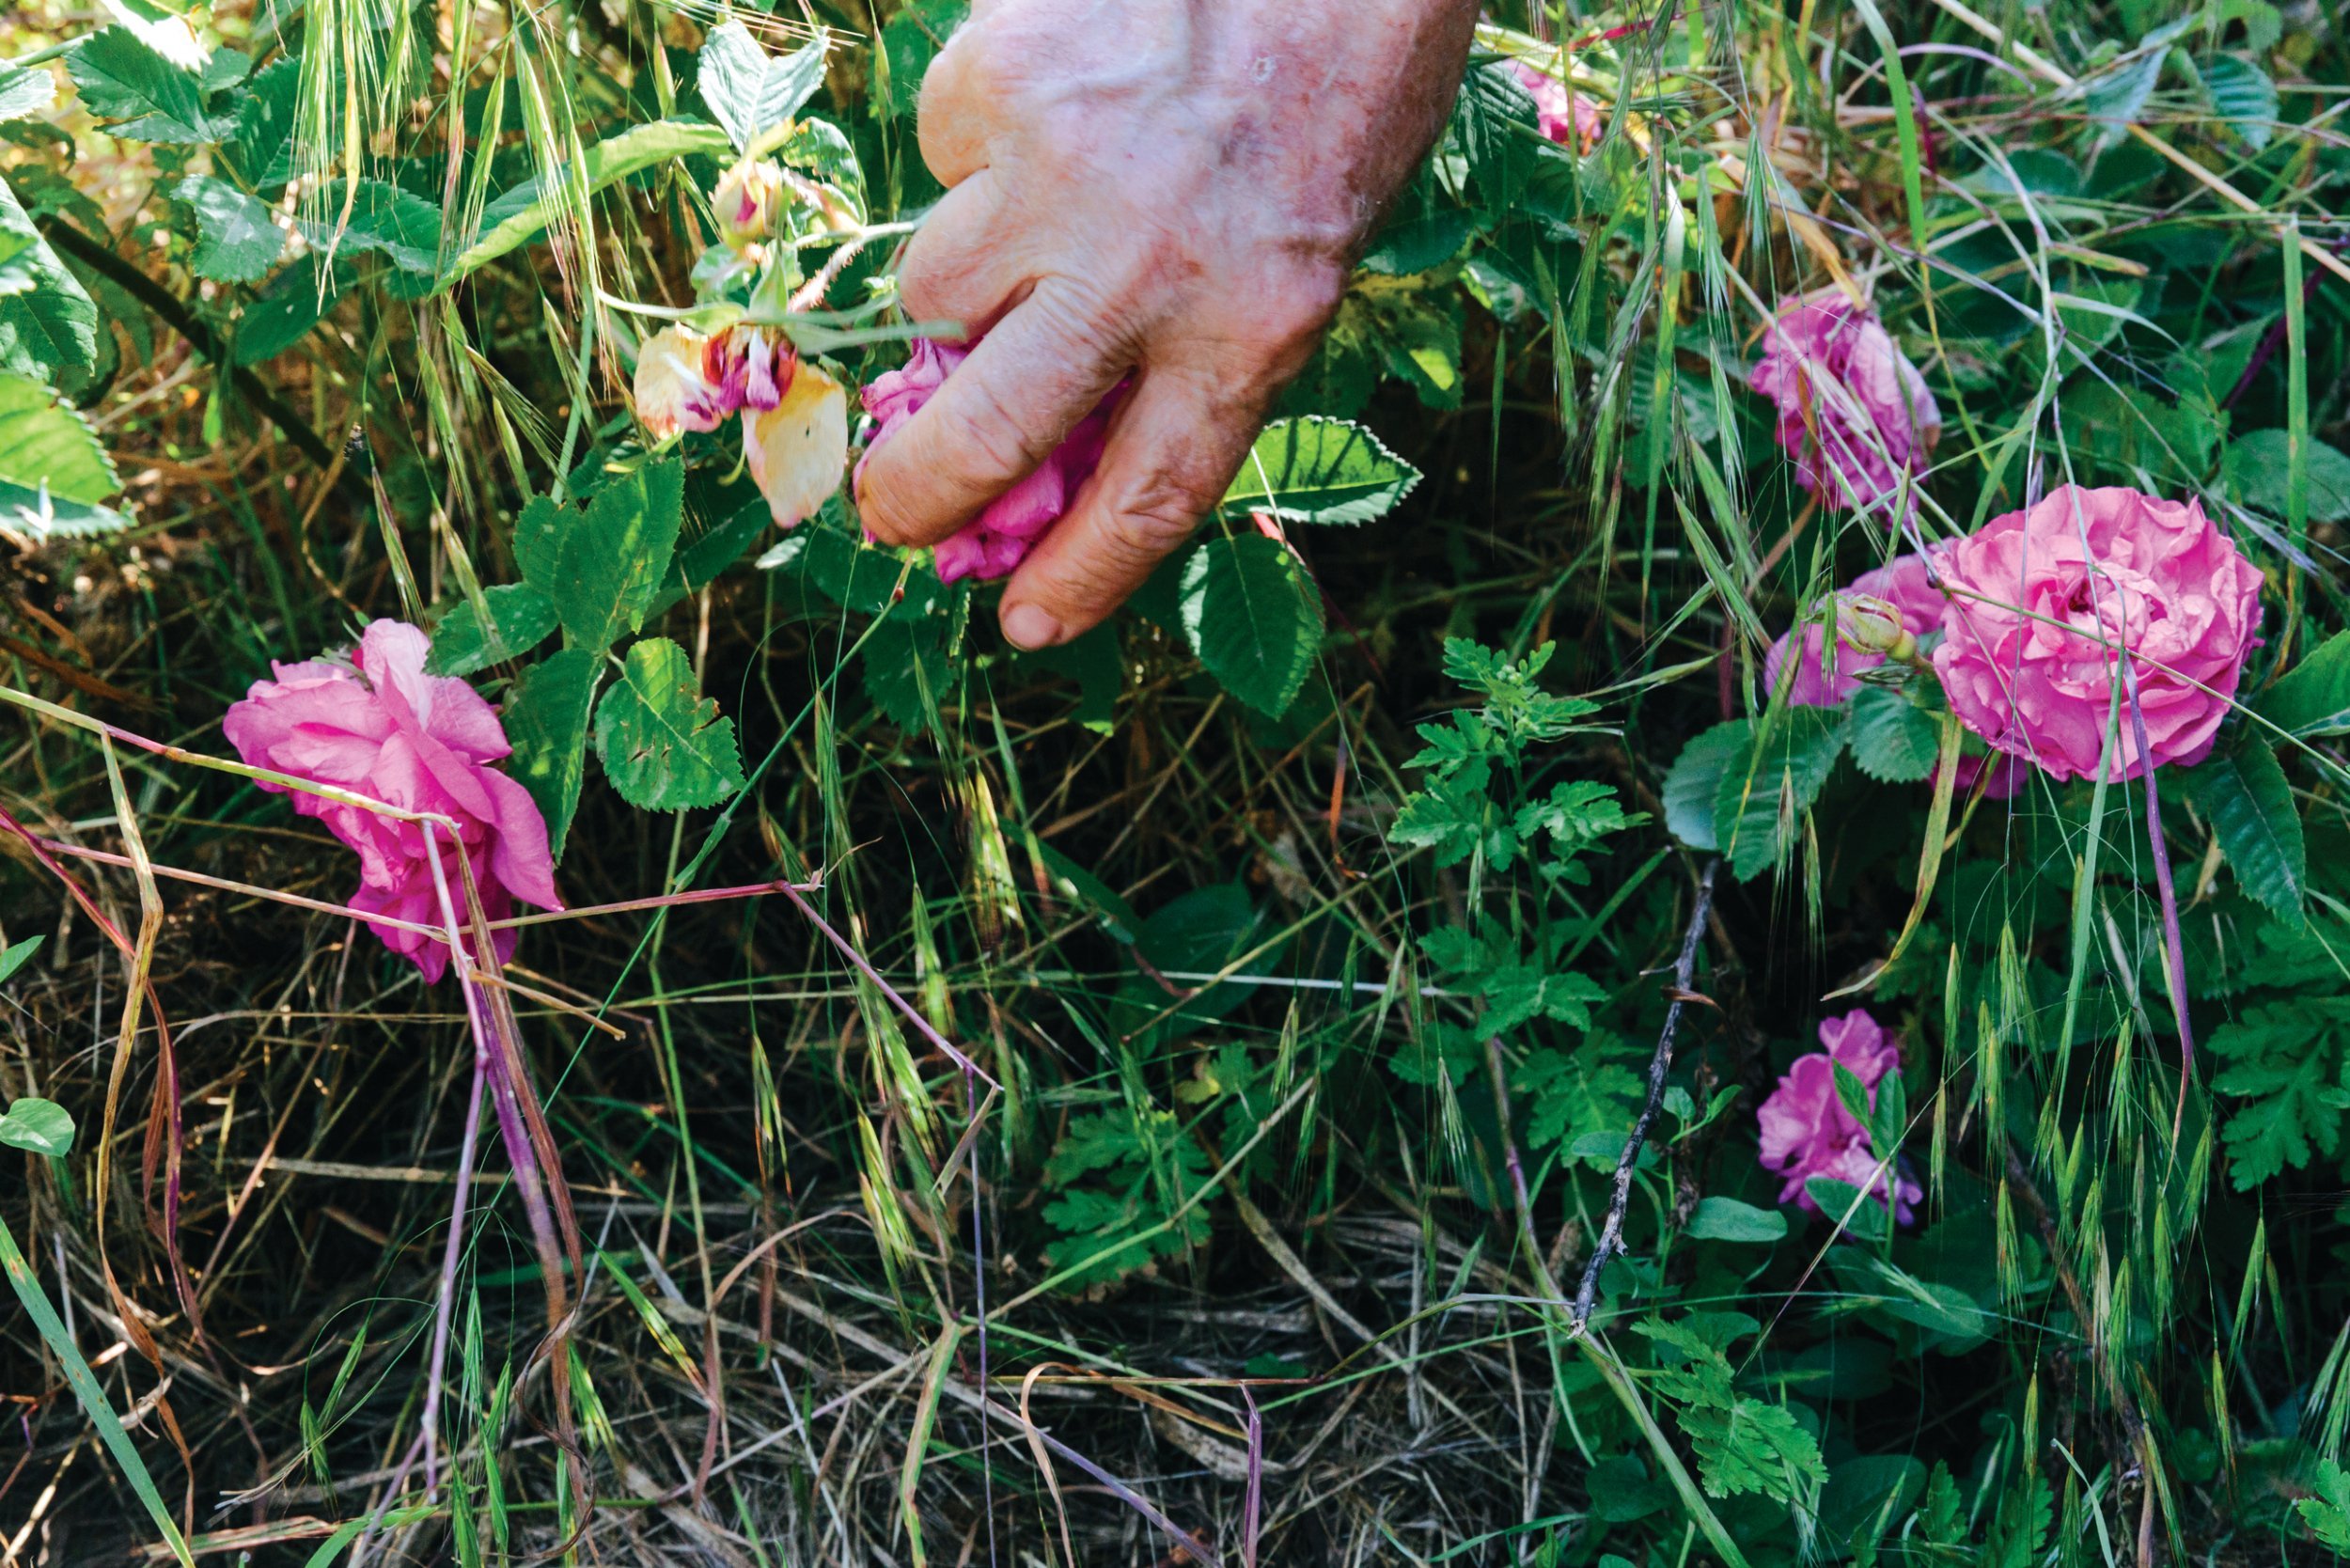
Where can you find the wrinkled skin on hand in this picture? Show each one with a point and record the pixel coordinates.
(1172, 188)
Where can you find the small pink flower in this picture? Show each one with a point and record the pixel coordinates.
(378, 726)
(1807, 1132)
(997, 540)
(1852, 411)
(1565, 117)
(2043, 600)
(1901, 586)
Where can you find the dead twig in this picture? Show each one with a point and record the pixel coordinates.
(1684, 971)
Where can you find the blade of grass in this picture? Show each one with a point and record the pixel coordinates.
(86, 1388)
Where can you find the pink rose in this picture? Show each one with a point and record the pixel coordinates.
(1901, 586)
(994, 542)
(378, 726)
(2042, 600)
(1807, 1132)
(1565, 117)
(1852, 411)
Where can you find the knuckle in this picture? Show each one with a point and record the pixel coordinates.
(924, 278)
(1310, 296)
(1156, 515)
(1087, 318)
(1296, 302)
(979, 436)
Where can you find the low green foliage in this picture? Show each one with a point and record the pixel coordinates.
(1265, 987)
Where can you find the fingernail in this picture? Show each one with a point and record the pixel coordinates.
(1030, 626)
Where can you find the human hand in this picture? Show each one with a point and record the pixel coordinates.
(1170, 188)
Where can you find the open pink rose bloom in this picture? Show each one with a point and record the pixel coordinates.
(378, 726)
(2043, 602)
(1852, 411)
(997, 540)
(1807, 1132)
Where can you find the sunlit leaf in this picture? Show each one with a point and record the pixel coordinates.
(239, 239)
(1317, 470)
(751, 93)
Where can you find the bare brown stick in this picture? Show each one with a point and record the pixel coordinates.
(1684, 973)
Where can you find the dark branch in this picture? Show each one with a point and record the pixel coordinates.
(1684, 973)
(173, 313)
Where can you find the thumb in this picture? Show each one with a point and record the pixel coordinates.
(1172, 450)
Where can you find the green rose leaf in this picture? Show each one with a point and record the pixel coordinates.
(753, 96)
(40, 1126)
(290, 306)
(2314, 699)
(1728, 1219)
(263, 155)
(2242, 792)
(45, 442)
(239, 239)
(25, 90)
(2259, 469)
(48, 322)
(1317, 470)
(515, 215)
(122, 78)
(2242, 95)
(1694, 780)
(55, 475)
(521, 618)
(602, 567)
(1772, 781)
(1254, 619)
(405, 227)
(1893, 739)
(546, 723)
(662, 744)
(906, 667)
